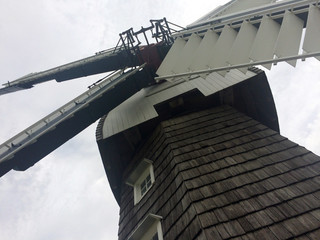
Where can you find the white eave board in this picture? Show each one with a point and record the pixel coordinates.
(140, 107)
(231, 8)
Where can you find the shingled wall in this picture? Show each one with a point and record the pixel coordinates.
(221, 175)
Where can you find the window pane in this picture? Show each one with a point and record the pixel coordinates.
(143, 188)
(142, 185)
(155, 237)
(148, 182)
(148, 178)
(145, 185)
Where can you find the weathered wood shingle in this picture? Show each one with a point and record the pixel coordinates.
(222, 175)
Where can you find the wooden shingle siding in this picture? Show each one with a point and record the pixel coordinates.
(221, 175)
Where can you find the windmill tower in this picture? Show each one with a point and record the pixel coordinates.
(200, 157)
(203, 147)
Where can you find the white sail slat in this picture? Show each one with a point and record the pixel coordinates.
(171, 58)
(265, 41)
(312, 36)
(205, 51)
(222, 48)
(187, 54)
(242, 45)
(289, 38)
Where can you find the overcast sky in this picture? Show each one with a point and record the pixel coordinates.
(66, 195)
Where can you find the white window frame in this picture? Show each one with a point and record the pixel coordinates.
(138, 175)
(150, 226)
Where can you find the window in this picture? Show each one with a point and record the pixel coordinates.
(155, 236)
(148, 229)
(145, 185)
(141, 179)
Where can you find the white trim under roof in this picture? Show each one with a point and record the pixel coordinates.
(246, 14)
(140, 107)
(231, 8)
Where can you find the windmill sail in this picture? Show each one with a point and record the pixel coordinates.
(105, 61)
(263, 35)
(28, 147)
(199, 154)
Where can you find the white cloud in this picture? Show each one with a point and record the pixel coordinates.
(296, 93)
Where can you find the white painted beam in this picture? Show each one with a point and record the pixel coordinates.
(250, 64)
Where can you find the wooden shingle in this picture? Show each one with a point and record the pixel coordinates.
(222, 175)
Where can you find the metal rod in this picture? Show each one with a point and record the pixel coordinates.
(166, 23)
(176, 25)
(251, 64)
